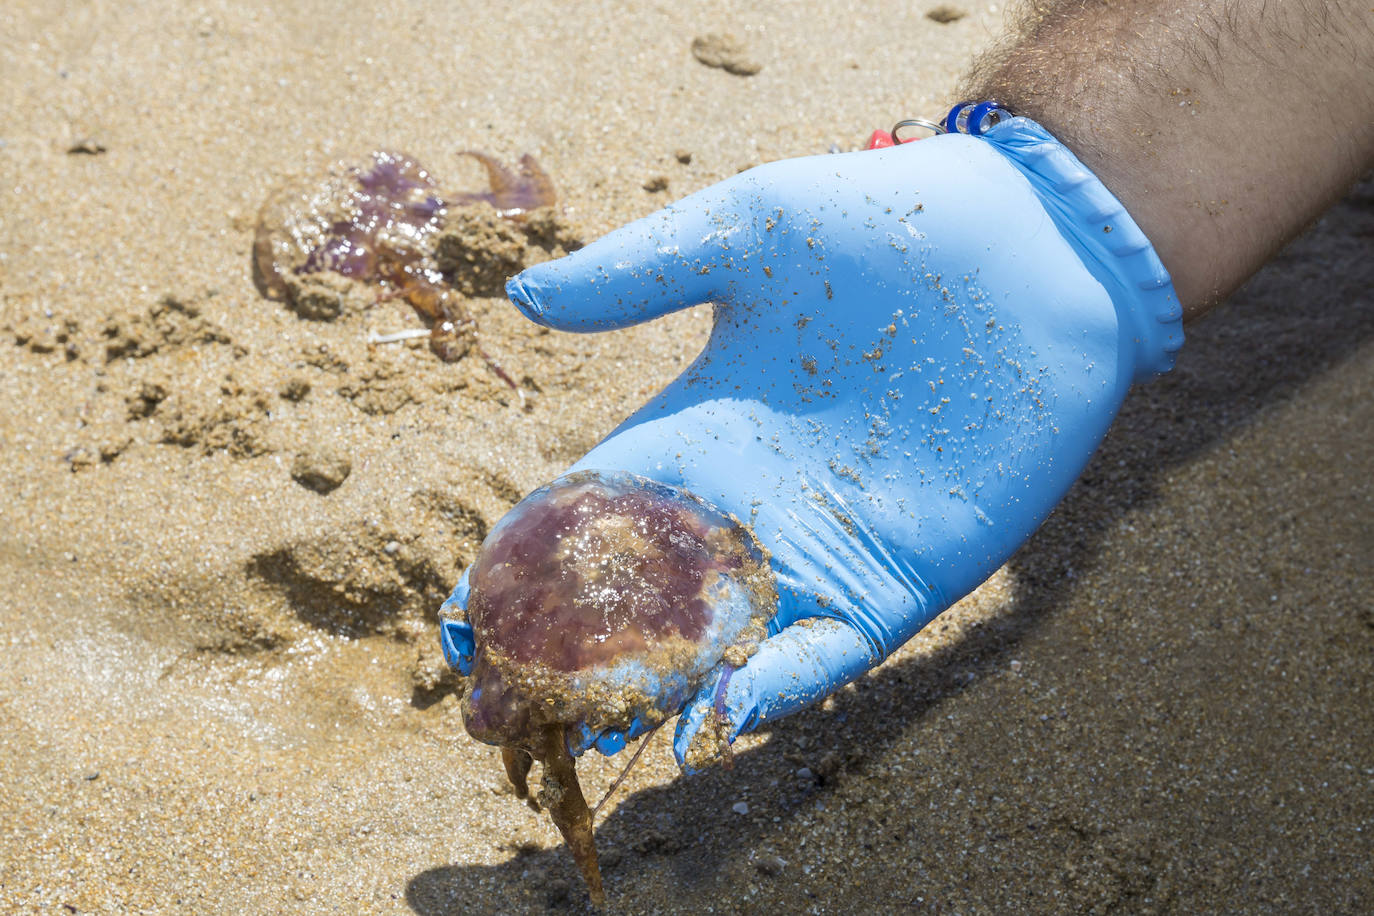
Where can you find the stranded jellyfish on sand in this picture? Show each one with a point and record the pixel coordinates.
(602, 599)
(379, 223)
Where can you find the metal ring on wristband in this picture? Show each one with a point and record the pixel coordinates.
(934, 127)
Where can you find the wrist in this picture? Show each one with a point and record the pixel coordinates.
(1105, 237)
(1224, 127)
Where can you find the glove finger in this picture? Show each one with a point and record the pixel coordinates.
(455, 633)
(671, 259)
(613, 742)
(580, 738)
(795, 668)
(609, 742)
(457, 641)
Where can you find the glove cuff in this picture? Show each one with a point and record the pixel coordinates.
(1103, 234)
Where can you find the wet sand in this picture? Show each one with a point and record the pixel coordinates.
(222, 691)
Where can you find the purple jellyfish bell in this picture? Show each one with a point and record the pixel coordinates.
(603, 598)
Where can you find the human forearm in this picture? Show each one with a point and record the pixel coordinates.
(1223, 126)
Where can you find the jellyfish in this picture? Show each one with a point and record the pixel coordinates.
(602, 601)
(377, 222)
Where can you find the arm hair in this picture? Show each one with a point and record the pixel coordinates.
(1224, 126)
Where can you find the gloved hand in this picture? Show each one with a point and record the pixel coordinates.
(915, 351)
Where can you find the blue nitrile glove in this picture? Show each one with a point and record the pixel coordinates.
(915, 351)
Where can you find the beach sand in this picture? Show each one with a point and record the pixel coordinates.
(222, 690)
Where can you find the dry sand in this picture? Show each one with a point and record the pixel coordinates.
(220, 687)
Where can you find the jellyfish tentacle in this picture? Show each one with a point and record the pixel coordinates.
(518, 762)
(511, 194)
(568, 807)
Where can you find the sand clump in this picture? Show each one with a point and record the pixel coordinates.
(478, 251)
(173, 322)
(320, 471)
(726, 52)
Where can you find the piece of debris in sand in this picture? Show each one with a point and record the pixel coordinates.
(86, 146)
(945, 14)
